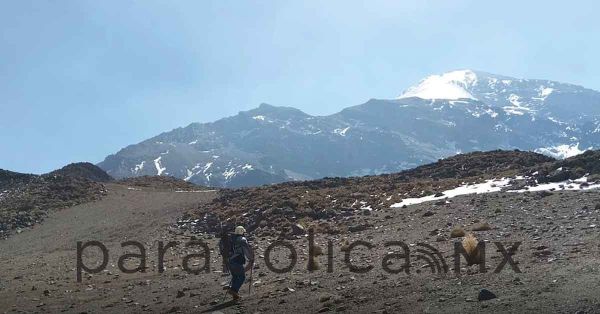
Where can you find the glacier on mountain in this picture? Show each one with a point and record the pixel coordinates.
(452, 85)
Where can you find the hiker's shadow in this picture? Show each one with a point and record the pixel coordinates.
(221, 306)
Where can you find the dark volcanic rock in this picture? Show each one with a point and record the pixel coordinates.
(83, 170)
(485, 295)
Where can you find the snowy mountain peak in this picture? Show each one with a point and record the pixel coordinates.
(522, 97)
(451, 85)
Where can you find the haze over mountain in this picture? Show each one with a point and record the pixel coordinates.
(458, 111)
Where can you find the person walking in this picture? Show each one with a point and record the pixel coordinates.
(236, 251)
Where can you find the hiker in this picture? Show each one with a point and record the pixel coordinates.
(236, 251)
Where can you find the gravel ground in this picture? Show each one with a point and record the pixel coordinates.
(559, 258)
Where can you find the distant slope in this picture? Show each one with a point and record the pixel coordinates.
(84, 170)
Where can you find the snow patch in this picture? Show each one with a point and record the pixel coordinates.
(139, 167)
(261, 118)
(562, 151)
(341, 132)
(159, 168)
(450, 124)
(514, 100)
(229, 173)
(195, 191)
(489, 186)
(491, 112)
(517, 108)
(497, 185)
(190, 174)
(556, 121)
(543, 93)
(597, 130)
(569, 185)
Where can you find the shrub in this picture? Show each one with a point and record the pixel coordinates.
(457, 232)
(345, 245)
(469, 244)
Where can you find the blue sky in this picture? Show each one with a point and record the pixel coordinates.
(81, 79)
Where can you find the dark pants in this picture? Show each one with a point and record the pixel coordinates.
(238, 276)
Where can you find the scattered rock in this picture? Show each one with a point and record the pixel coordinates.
(481, 226)
(358, 228)
(298, 229)
(485, 295)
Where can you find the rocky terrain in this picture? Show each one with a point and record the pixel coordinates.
(443, 115)
(554, 269)
(26, 199)
(160, 183)
(335, 205)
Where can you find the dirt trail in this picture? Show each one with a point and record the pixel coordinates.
(44, 257)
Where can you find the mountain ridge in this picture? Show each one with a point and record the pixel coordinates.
(271, 144)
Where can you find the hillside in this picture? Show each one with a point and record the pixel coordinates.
(337, 205)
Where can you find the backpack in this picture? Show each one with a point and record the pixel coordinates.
(235, 249)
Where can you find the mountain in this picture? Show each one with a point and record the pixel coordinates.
(458, 111)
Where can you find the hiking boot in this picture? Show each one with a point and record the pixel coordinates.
(234, 294)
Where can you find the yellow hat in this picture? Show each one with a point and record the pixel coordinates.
(240, 230)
